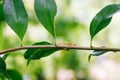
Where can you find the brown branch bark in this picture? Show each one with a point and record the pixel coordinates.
(60, 47)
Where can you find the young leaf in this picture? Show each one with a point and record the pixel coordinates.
(33, 54)
(103, 18)
(45, 12)
(16, 16)
(98, 52)
(2, 66)
(14, 75)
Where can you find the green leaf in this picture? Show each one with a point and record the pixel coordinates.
(33, 54)
(1, 12)
(2, 77)
(98, 52)
(14, 75)
(103, 18)
(46, 11)
(2, 66)
(1, 27)
(16, 16)
(5, 56)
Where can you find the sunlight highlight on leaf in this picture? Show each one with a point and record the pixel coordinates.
(102, 19)
(34, 54)
(16, 16)
(45, 12)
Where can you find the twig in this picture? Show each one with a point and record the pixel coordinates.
(60, 47)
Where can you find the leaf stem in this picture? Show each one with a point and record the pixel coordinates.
(91, 43)
(59, 47)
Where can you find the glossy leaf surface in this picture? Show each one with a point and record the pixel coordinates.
(46, 11)
(98, 53)
(103, 18)
(33, 54)
(16, 16)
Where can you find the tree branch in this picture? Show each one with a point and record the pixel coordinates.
(60, 47)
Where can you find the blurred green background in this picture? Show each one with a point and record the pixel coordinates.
(72, 26)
